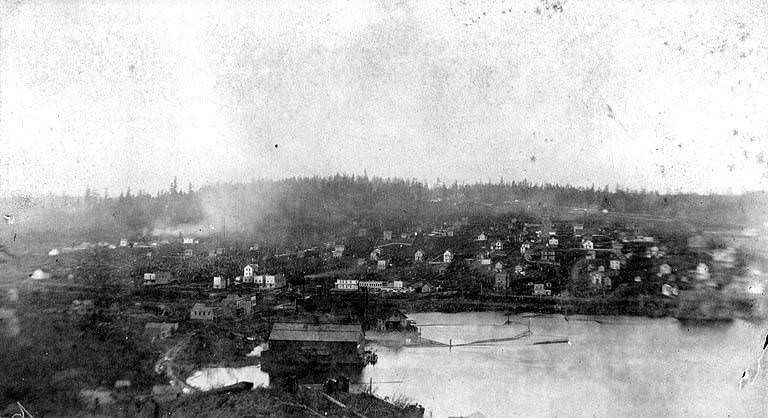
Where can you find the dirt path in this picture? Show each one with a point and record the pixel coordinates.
(166, 364)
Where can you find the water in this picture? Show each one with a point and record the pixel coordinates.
(216, 377)
(620, 367)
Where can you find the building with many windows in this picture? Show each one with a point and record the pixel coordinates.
(346, 284)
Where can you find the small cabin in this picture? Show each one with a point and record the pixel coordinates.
(396, 320)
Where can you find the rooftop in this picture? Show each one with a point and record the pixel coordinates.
(326, 332)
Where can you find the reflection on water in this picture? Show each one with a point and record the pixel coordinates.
(276, 375)
(287, 376)
(616, 366)
(216, 377)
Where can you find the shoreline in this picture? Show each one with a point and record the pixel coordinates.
(649, 307)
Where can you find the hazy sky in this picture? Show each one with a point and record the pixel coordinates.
(666, 95)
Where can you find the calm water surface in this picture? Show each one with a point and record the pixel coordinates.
(621, 366)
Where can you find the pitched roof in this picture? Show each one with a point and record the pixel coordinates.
(297, 331)
(397, 314)
(202, 307)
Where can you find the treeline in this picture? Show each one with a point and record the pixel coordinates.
(305, 210)
(619, 199)
(102, 217)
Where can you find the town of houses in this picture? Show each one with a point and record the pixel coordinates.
(524, 257)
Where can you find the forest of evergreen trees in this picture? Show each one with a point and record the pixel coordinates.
(304, 210)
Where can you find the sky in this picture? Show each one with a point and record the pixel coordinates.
(659, 95)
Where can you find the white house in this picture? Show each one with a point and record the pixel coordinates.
(553, 242)
(188, 240)
(438, 232)
(665, 269)
(499, 266)
(669, 291)
(447, 256)
(161, 277)
(338, 251)
(482, 237)
(702, 272)
(597, 279)
(123, 242)
(587, 244)
(149, 278)
(397, 284)
(497, 246)
(219, 282)
(615, 264)
(387, 235)
(418, 257)
(381, 265)
(371, 284)
(600, 280)
(346, 284)
(274, 281)
(248, 272)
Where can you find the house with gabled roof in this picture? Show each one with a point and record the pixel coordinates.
(300, 342)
